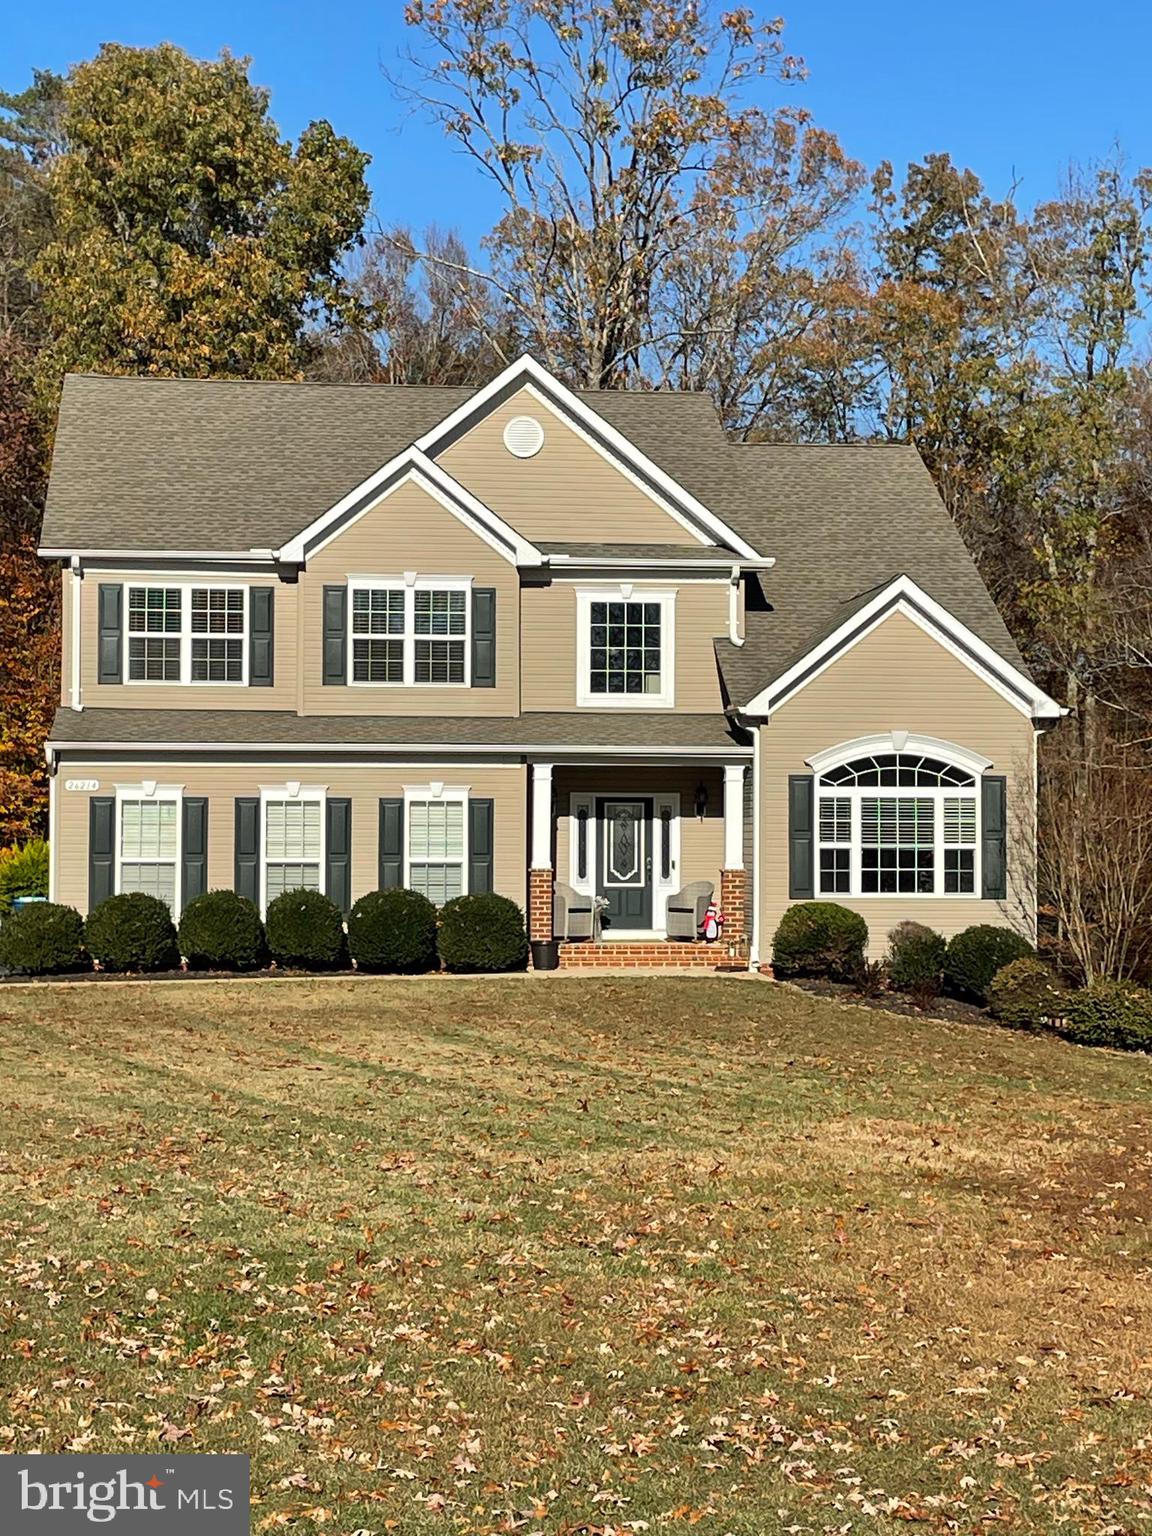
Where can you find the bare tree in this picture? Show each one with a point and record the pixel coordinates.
(658, 219)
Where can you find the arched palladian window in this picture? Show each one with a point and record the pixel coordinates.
(898, 816)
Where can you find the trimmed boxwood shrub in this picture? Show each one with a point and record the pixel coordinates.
(393, 931)
(132, 932)
(1027, 994)
(305, 929)
(820, 938)
(482, 933)
(1116, 1013)
(974, 956)
(915, 958)
(221, 931)
(43, 940)
(23, 872)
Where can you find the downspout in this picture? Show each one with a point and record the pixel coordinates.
(754, 945)
(734, 634)
(75, 696)
(50, 759)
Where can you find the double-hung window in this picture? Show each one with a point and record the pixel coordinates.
(414, 633)
(437, 847)
(186, 633)
(148, 844)
(897, 823)
(626, 647)
(293, 842)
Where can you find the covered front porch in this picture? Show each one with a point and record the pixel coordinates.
(636, 864)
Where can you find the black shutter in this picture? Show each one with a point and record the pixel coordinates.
(101, 849)
(246, 871)
(391, 871)
(801, 873)
(194, 849)
(261, 636)
(110, 663)
(338, 848)
(479, 847)
(484, 637)
(994, 833)
(336, 635)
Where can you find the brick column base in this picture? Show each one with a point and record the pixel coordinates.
(733, 886)
(540, 903)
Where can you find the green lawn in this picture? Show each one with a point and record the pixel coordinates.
(580, 1255)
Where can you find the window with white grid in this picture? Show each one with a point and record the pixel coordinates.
(625, 650)
(436, 848)
(415, 633)
(293, 844)
(149, 846)
(185, 633)
(896, 823)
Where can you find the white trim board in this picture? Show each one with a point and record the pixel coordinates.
(526, 372)
(533, 752)
(904, 596)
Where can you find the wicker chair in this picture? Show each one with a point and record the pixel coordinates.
(686, 909)
(573, 913)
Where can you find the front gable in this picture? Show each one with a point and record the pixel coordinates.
(566, 490)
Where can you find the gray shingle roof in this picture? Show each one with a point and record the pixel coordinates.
(234, 465)
(231, 465)
(240, 728)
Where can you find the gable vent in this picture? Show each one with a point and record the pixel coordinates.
(523, 436)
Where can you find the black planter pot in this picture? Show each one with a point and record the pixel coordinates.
(545, 954)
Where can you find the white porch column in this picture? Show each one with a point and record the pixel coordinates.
(541, 816)
(733, 815)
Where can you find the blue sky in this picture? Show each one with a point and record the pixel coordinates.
(1014, 89)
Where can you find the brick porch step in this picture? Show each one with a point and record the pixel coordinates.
(659, 954)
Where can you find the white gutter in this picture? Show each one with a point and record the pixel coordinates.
(443, 749)
(734, 634)
(617, 562)
(234, 557)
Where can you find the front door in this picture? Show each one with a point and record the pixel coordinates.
(626, 863)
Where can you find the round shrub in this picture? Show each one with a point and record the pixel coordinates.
(974, 956)
(305, 929)
(1027, 994)
(915, 958)
(43, 940)
(132, 932)
(221, 931)
(23, 872)
(820, 938)
(393, 931)
(482, 933)
(1116, 1013)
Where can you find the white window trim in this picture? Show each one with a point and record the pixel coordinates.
(317, 793)
(442, 793)
(410, 583)
(625, 593)
(185, 635)
(856, 795)
(150, 790)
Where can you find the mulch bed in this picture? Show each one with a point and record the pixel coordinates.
(897, 1002)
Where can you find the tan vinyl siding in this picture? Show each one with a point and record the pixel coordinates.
(701, 838)
(548, 678)
(899, 678)
(410, 531)
(282, 695)
(365, 785)
(567, 492)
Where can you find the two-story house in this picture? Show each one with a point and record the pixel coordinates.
(350, 637)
